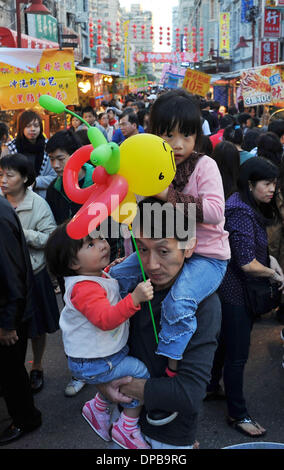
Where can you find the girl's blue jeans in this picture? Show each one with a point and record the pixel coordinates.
(103, 370)
(199, 280)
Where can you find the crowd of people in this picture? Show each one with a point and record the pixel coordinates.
(229, 164)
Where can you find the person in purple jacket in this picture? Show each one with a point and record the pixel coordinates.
(248, 212)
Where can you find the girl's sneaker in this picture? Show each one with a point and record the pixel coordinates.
(98, 420)
(128, 440)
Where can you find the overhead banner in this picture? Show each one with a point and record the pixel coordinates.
(54, 75)
(224, 41)
(197, 83)
(263, 85)
(164, 57)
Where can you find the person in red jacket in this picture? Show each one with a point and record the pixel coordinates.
(225, 121)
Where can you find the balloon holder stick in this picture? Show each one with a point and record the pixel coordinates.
(144, 278)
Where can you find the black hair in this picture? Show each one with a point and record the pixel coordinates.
(232, 110)
(61, 251)
(250, 139)
(132, 117)
(101, 115)
(141, 115)
(26, 118)
(82, 136)
(89, 109)
(226, 120)
(4, 130)
(20, 163)
(176, 108)
(66, 140)
(270, 147)
(206, 146)
(160, 219)
(277, 127)
(251, 171)
(233, 134)
(242, 118)
(227, 158)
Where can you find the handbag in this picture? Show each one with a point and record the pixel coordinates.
(261, 295)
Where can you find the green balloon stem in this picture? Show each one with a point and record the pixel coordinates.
(78, 117)
(144, 278)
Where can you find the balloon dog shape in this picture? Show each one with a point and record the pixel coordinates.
(143, 164)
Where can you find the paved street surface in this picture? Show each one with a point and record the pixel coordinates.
(64, 428)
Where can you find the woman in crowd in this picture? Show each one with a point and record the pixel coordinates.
(227, 158)
(235, 135)
(248, 212)
(16, 175)
(75, 123)
(31, 142)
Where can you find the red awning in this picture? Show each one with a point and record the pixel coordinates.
(8, 38)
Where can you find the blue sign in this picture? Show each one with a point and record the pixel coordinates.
(246, 5)
(274, 79)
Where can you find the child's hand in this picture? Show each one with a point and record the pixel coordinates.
(116, 261)
(143, 292)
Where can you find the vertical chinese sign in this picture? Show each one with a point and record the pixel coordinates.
(269, 52)
(55, 76)
(125, 27)
(272, 23)
(224, 38)
(197, 83)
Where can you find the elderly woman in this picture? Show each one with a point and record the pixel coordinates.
(16, 175)
(31, 142)
(248, 212)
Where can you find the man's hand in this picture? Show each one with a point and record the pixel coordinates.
(8, 337)
(135, 389)
(111, 390)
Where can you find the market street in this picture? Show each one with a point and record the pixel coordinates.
(64, 428)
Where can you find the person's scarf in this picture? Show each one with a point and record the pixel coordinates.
(34, 151)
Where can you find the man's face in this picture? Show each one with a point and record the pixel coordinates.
(162, 259)
(90, 118)
(58, 160)
(127, 128)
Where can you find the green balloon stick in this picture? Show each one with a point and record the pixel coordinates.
(56, 106)
(144, 278)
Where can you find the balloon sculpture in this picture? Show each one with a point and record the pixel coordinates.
(143, 164)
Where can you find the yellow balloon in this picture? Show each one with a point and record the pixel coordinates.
(126, 211)
(147, 163)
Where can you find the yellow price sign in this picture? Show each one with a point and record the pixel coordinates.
(197, 83)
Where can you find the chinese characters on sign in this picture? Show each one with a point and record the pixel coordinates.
(271, 23)
(263, 85)
(224, 44)
(197, 83)
(55, 75)
(269, 52)
(161, 57)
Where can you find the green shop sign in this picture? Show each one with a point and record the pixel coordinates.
(43, 27)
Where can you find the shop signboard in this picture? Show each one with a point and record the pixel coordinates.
(197, 83)
(263, 85)
(246, 5)
(43, 27)
(269, 52)
(54, 75)
(272, 23)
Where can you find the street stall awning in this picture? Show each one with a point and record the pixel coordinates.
(8, 38)
(39, 72)
(16, 58)
(94, 71)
